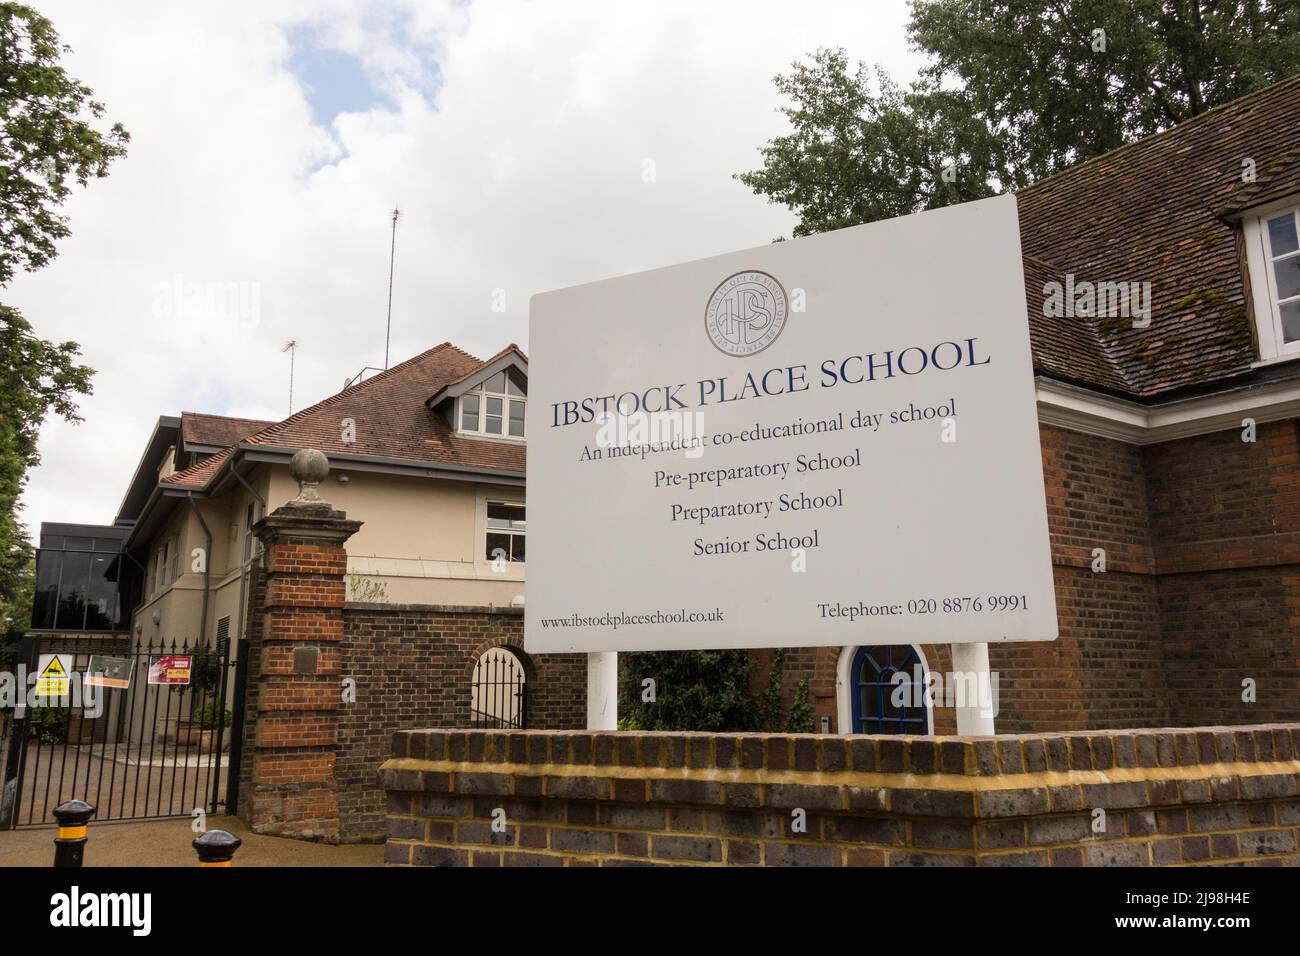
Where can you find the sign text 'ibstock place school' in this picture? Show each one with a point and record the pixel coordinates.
(797, 509)
(723, 389)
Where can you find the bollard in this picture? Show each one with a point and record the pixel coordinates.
(217, 848)
(70, 844)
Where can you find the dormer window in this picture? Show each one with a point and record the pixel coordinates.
(494, 408)
(1273, 247)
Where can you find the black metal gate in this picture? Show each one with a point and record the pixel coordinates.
(498, 691)
(144, 730)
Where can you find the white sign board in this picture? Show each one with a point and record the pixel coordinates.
(827, 441)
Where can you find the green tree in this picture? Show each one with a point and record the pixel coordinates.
(1070, 80)
(36, 378)
(773, 715)
(1014, 90)
(48, 141)
(860, 151)
(16, 610)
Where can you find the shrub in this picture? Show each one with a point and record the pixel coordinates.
(209, 714)
(50, 724)
(707, 691)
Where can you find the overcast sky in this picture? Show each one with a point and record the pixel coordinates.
(270, 142)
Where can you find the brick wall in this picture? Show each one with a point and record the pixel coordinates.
(1096, 491)
(1107, 669)
(309, 756)
(291, 733)
(1202, 541)
(413, 667)
(1155, 798)
(1225, 522)
(1222, 628)
(1219, 492)
(1201, 589)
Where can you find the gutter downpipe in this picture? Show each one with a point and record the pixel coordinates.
(144, 580)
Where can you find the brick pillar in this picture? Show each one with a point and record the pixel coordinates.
(296, 681)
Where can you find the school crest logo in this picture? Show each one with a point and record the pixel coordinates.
(746, 313)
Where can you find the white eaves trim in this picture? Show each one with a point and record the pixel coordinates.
(1093, 414)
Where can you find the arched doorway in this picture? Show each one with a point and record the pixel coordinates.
(498, 691)
(869, 688)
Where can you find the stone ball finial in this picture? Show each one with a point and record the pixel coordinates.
(309, 467)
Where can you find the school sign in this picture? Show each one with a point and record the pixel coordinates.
(827, 441)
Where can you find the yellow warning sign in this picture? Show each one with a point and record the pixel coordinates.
(53, 675)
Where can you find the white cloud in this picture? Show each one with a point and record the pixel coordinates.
(515, 141)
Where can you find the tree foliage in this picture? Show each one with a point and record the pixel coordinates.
(1014, 90)
(16, 608)
(37, 378)
(860, 151)
(1064, 81)
(708, 691)
(47, 142)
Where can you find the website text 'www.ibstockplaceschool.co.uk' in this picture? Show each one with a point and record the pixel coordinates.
(617, 619)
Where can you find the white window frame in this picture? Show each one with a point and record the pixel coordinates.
(483, 395)
(163, 563)
(488, 529)
(513, 570)
(1263, 283)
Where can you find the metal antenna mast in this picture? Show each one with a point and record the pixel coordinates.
(392, 255)
(292, 348)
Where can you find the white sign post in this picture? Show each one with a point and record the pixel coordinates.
(831, 441)
(602, 690)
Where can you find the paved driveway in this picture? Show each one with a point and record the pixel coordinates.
(167, 843)
(122, 782)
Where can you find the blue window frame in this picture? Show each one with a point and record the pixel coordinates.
(872, 685)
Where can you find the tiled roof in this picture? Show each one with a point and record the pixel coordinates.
(505, 351)
(197, 476)
(1155, 211)
(390, 420)
(199, 428)
(1067, 349)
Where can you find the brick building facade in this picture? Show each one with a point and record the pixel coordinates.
(1171, 462)
(1168, 425)
(1168, 434)
(1200, 591)
(329, 682)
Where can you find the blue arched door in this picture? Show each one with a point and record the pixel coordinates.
(872, 687)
